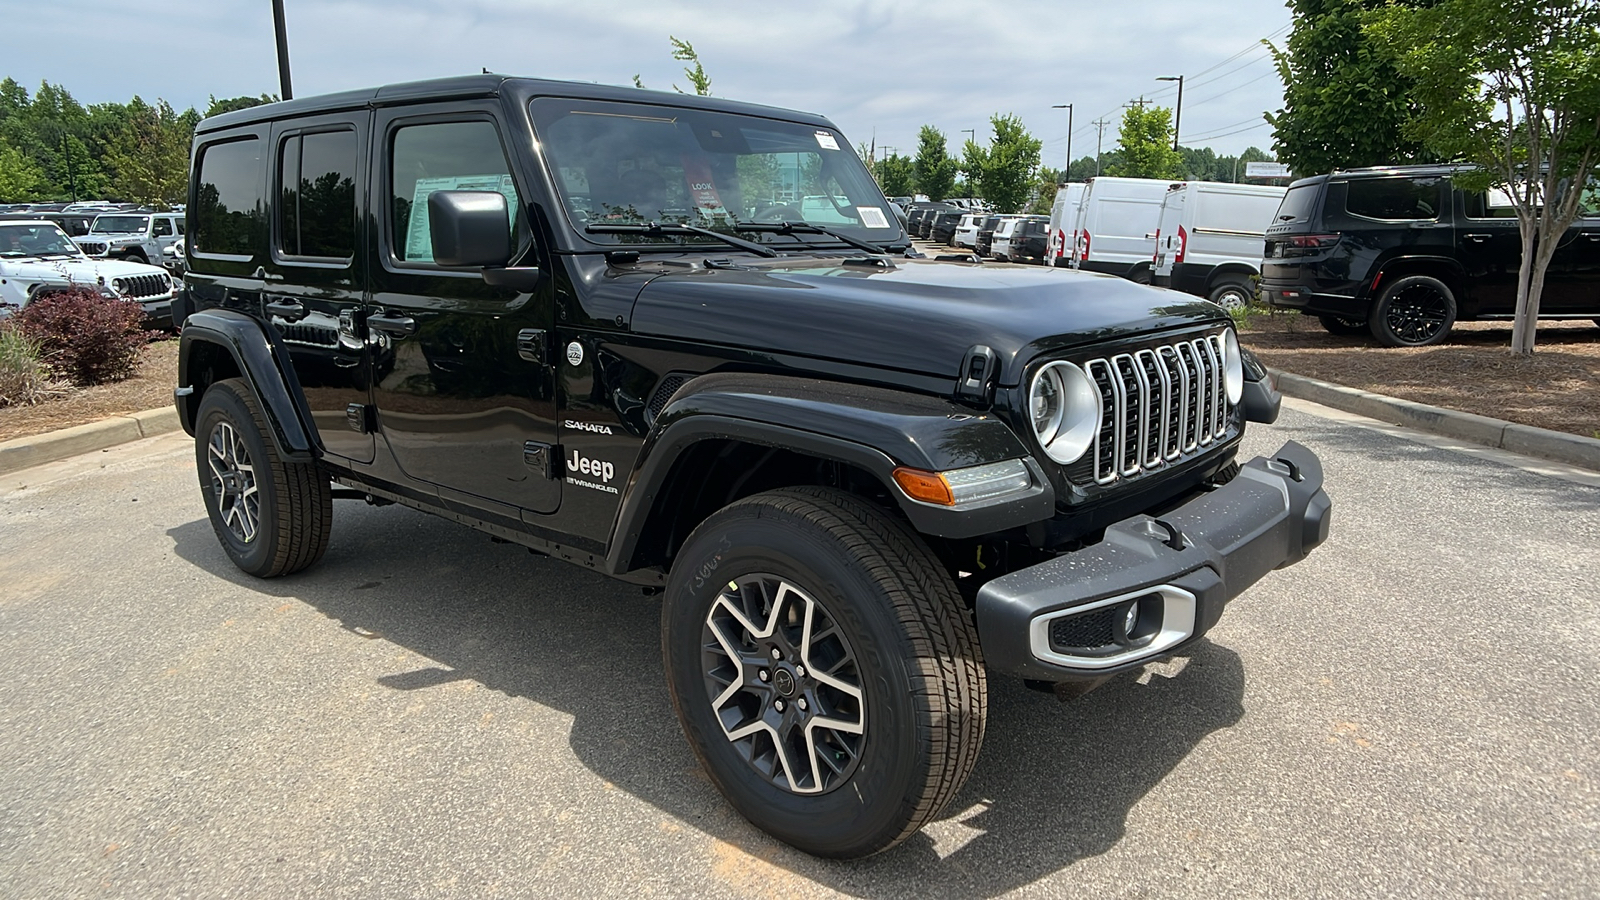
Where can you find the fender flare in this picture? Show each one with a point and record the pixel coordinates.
(873, 429)
(266, 369)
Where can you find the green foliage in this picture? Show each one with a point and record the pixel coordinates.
(935, 170)
(1344, 102)
(1511, 87)
(20, 177)
(1202, 164)
(85, 337)
(1004, 173)
(150, 154)
(24, 377)
(896, 175)
(1146, 142)
(683, 51)
(234, 104)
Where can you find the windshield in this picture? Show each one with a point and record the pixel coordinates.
(627, 164)
(119, 225)
(34, 239)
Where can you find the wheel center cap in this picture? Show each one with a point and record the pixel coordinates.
(783, 682)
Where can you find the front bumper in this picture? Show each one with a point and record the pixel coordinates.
(1172, 574)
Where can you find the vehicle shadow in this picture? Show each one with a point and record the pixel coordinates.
(1054, 784)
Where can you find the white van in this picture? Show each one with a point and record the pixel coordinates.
(1209, 240)
(1063, 219)
(1116, 228)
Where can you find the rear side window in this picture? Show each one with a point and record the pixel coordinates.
(446, 156)
(1393, 198)
(1494, 203)
(227, 199)
(317, 199)
(1298, 204)
(163, 228)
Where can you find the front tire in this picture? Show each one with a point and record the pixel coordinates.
(1346, 327)
(1415, 311)
(272, 517)
(824, 668)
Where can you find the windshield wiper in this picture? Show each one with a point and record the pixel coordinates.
(657, 228)
(808, 228)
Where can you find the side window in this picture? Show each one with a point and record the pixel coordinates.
(227, 208)
(1589, 202)
(445, 156)
(163, 227)
(1494, 203)
(179, 223)
(317, 195)
(1393, 198)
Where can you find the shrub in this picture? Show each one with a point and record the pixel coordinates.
(86, 338)
(24, 377)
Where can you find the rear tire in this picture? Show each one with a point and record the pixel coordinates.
(1231, 295)
(1415, 311)
(272, 517)
(1345, 327)
(856, 755)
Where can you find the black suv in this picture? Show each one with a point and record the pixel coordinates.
(1028, 240)
(587, 320)
(1403, 253)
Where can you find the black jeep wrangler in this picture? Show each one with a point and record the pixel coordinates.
(600, 322)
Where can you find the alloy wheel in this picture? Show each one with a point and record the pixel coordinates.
(233, 481)
(1417, 313)
(784, 683)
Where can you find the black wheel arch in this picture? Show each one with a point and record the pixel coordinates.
(725, 437)
(218, 344)
(1443, 268)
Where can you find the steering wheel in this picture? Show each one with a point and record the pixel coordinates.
(779, 213)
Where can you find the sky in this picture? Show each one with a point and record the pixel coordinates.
(878, 69)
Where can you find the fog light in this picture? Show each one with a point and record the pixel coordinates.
(1130, 621)
(1141, 620)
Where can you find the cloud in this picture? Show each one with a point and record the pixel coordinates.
(883, 67)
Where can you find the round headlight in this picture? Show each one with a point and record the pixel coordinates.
(1064, 408)
(117, 285)
(1232, 367)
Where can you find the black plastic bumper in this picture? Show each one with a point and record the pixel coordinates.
(1194, 559)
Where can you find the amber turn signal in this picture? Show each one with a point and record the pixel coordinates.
(929, 487)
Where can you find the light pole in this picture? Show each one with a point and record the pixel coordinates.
(972, 134)
(1068, 108)
(283, 49)
(1177, 114)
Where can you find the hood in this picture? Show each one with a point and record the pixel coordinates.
(81, 270)
(917, 316)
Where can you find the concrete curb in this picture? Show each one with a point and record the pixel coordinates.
(25, 452)
(1525, 439)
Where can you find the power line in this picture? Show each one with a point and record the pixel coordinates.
(1234, 88)
(1212, 137)
(1255, 118)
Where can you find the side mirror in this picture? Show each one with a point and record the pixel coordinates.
(469, 228)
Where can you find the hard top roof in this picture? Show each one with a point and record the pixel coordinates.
(1382, 171)
(464, 87)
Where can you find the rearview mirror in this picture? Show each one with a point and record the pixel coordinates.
(469, 228)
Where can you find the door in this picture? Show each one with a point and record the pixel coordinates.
(316, 280)
(1573, 283)
(462, 380)
(1489, 248)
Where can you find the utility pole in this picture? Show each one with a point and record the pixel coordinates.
(1068, 108)
(1139, 103)
(283, 50)
(66, 150)
(1099, 139)
(1177, 114)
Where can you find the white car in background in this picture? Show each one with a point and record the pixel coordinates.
(1210, 236)
(139, 236)
(967, 230)
(37, 258)
(1001, 247)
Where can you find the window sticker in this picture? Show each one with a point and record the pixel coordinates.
(419, 242)
(826, 141)
(697, 174)
(872, 217)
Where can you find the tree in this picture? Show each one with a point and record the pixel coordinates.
(20, 177)
(935, 170)
(896, 175)
(1004, 172)
(683, 51)
(1511, 87)
(1344, 102)
(1146, 143)
(234, 104)
(150, 153)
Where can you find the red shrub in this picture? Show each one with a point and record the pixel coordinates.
(87, 338)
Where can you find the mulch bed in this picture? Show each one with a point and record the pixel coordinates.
(1473, 371)
(149, 389)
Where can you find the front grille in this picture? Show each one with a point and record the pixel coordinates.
(1089, 631)
(93, 248)
(141, 286)
(1158, 405)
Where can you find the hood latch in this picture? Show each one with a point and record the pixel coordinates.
(979, 366)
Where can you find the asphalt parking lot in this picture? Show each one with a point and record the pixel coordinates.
(1410, 712)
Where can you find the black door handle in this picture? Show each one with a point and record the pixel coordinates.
(392, 324)
(284, 308)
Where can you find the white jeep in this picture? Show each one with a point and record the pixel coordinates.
(37, 258)
(139, 236)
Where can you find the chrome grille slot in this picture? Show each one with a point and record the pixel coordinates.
(1158, 405)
